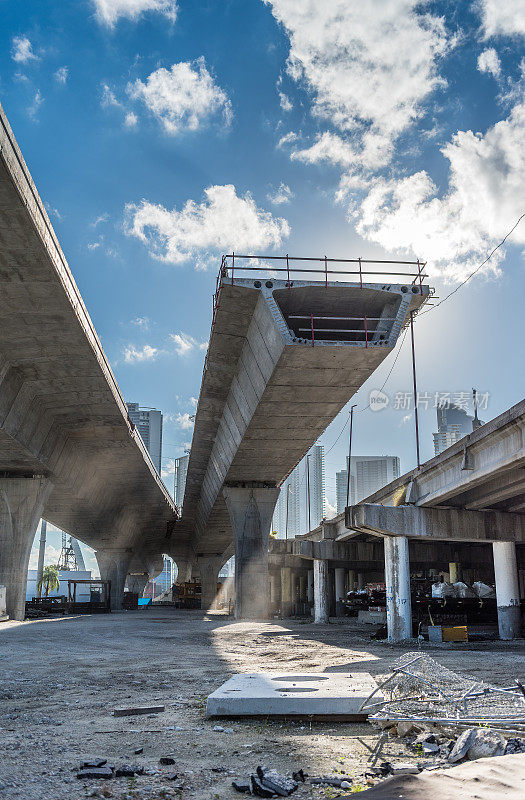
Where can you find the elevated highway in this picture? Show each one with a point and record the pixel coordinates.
(470, 496)
(68, 451)
(285, 355)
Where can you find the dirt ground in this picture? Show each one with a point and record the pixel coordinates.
(61, 678)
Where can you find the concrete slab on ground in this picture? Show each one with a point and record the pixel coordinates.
(286, 694)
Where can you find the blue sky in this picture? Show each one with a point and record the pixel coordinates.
(161, 134)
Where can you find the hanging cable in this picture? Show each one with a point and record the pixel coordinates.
(458, 287)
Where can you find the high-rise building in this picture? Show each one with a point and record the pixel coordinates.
(295, 489)
(286, 517)
(453, 424)
(179, 478)
(341, 479)
(317, 488)
(367, 475)
(148, 422)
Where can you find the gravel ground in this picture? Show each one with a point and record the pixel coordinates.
(60, 678)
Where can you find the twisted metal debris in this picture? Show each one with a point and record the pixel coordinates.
(419, 689)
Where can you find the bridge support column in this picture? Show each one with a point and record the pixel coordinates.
(184, 569)
(302, 588)
(340, 593)
(310, 590)
(295, 591)
(361, 581)
(397, 579)
(209, 567)
(507, 590)
(22, 502)
(286, 591)
(351, 580)
(321, 589)
(113, 566)
(137, 582)
(454, 571)
(251, 510)
(274, 590)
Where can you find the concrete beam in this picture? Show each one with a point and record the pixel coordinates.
(452, 524)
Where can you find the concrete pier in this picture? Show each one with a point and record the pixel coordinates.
(351, 580)
(113, 566)
(137, 583)
(21, 503)
(361, 581)
(302, 588)
(397, 578)
(184, 571)
(340, 593)
(310, 590)
(250, 510)
(507, 589)
(209, 567)
(321, 600)
(286, 591)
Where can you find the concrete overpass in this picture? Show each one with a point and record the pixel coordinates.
(68, 451)
(285, 355)
(469, 496)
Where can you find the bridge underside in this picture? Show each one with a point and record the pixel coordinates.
(64, 429)
(282, 362)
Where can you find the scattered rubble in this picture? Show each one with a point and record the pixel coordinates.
(269, 783)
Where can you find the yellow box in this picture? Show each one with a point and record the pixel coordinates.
(456, 634)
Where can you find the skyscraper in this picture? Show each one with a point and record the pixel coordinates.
(148, 422)
(367, 475)
(453, 424)
(289, 489)
(317, 492)
(295, 487)
(179, 485)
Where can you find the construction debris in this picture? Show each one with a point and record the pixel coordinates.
(135, 710)
(420, 691)
(269, 783)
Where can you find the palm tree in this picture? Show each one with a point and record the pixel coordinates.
(49, 580)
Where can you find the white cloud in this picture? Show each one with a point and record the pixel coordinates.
(184, 343)
(488, 61)
(108, 98)
(194, 401)
(286, 103)
(288, 138)
(329, 148)
(484, 200)
(51, 556)
(35, 105)
(168, 469)
(93, 245)
(185, 421)
(99, 219)
(62, 74)
(141, 322)
(146, 353)
(131, 120)
(502, 17)
(368, 71)
(109, 11)
(22, 50)
(183, 97)
(282, 195)
(222, 221)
